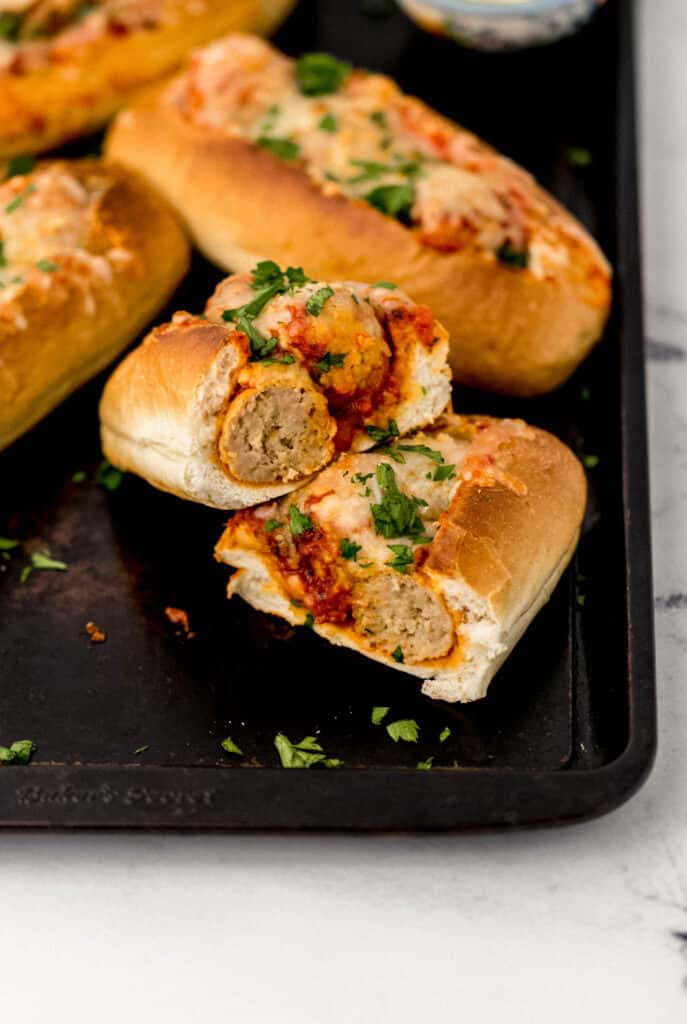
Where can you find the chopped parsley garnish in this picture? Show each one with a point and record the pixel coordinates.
(396, 515)
(20, 752)
(330, 359)
(378, 715)
(392, 453)
(300, 755)
(271, 524)
(230, 747)
(444, 734)
(444, 472)
(285, 149)
(397, 655)
(372, 170)
(328, 124)
(382, 435)
(10, 25)
(316, 302)
(590, 461)
(405, 729)
(260, 346)
(349, 550)
(513, 257)
(24, 163)
(319, 73)
(268, 280)
(286, 359)
(141, 750)
(299, 522)
(394, 200)
(108, 476)
(309, 620)
(423, 449)
(578, 156)
(424, 766)
(362, 478)
(15, 203)
(402, 560)
(379, 118)
(3, 259)
(385, 284)
(47, 266)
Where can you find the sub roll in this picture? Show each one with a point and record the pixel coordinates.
(88, 255)
(335, 168)
(431, 556)
(66, 66)
(246, 402)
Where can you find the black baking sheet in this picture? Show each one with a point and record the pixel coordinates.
(568, 728)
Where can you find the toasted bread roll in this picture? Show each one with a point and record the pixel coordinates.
(340, 171)
(434, 565)
(246, 403)
(88, 255)
(66, 66)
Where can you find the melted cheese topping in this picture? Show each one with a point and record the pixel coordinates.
(47, 235)
(458, 194)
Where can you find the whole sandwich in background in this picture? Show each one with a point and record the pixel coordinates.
(88, 255)
(66, 66)
(431, 555)
(247, 401)
(336, 169)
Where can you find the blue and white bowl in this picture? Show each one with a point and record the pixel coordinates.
(501, 24)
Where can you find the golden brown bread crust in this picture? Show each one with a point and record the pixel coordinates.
(515, 520)
(53, 338)
(510, 330)
(54, 90)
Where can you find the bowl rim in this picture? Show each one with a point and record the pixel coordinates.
(479, 7)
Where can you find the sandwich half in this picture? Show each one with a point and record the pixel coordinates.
(431, 555)
(246, 402)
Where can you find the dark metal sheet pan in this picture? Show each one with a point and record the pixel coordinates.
(568, 729)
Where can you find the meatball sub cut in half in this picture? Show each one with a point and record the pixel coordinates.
(432, 555)
(88, 255)
(246, 402)
(335, 168)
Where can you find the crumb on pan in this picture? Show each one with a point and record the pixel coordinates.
(179, 617)
(95, 634)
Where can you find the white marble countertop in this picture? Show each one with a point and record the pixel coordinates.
(570, 925)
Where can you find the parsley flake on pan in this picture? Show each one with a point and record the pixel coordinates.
(590, 461)
(108, 476)
(299, 522)
(406, 729)
(230, 747)
(378, 715)
(330, 359)
(396, 515)
(382, 435)
(444, 734)
(20, 752)
(349, 549)
(316, 302)
(8, 544)
(424, 766)
(302, 755)
(41, 560)
(512, 257)
(318, 74)
(285, 149)
(142, 749)
(578, 156)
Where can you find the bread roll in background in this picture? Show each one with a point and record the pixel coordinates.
(245, 403)
(431, 557)
(88, 255)
(335, 169)
(66, 67)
